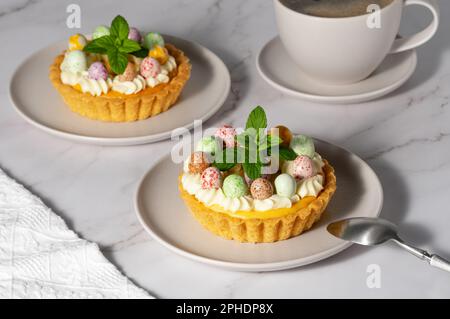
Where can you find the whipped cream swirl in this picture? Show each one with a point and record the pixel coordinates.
(87, 85)
(99, 87)
(310, 186)
(128, 87)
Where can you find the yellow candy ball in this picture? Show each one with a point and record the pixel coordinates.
(77, 42)
(160, 54)
(78, 87)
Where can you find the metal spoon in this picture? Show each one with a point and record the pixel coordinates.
(375, 231)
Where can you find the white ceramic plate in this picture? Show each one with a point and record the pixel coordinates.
(165, 217)
(277, 68)
(38, 102)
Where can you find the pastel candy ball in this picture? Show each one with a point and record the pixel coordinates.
(234, 186)
(75, 61)
(97, 71)
(227, 134)
(303, 167)
(261, 189)
(77, 42)
(198, 162)
(129, 74)
(152, 39)
(285, 185)
(211, 178)
(134, 35)
(282, 132)
(150, 68)
(208, 144)
(303, 145)
(159, 53)
(249, 181)
(100, 31)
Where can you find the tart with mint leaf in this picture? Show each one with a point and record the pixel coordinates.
(259, 186)
(119, 75)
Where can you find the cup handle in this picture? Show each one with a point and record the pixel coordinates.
(423, 36)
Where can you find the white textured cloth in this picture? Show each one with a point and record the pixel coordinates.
(41, 258)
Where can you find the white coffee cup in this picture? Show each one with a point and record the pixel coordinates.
(347, 50)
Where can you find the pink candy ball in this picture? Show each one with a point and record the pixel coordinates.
(134, 35)
(303, 167)
(227, 134)
(211, 178)
(97, 71)
(150, 68)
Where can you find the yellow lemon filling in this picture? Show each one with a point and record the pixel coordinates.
(274, 213)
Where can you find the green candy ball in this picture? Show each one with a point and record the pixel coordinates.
(234, 186)
(303, 145)
(285, 185)
(152, 39)
(208, 144)
(100, 31)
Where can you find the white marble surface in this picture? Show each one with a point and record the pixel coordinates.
(405, 137)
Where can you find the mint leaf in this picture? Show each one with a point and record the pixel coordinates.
(247, 139)
(100, 45)
(252, 170)
(224, 166)
(119, 28)
(287, 154)
(269, 141)
(257, 119)
(141, 53)
(94, 48)
(226, 159)
(129, 46)
(106, 42)
(118, 60)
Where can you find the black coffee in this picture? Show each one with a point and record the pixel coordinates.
(334, 8)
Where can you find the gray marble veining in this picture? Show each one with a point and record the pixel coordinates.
(404, 137)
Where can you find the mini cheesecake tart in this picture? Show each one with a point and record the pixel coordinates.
(267, 226)
(263, 209)
(95, 88)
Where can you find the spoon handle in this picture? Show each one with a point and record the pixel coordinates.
(433, 260)
(440, 262)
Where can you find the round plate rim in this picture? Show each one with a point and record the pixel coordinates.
(252, 267)
(118, 141)
(336, 99)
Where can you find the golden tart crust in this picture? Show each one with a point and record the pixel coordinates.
(270, 226)
(117, 107)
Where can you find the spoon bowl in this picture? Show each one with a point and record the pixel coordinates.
(364, 231)
(376, 231)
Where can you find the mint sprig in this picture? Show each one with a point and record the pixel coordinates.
(254, 146)
(117, 46)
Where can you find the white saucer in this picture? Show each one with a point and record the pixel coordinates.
(165, 217)
(277, 68)
(38, 102)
